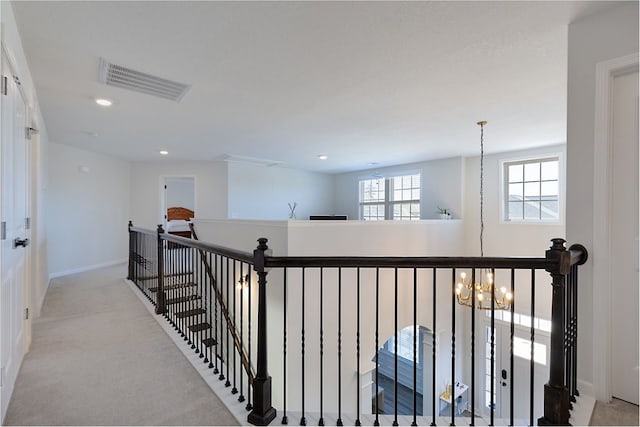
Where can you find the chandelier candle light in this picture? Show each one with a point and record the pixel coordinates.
(482, 294)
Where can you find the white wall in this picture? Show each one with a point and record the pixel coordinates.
(87, 207)
(442, 184)
(504, 238)
(146, 189)
(261, 192)
(608, 35)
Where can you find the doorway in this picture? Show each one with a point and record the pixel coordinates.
(520, 376)
(624, 237)
(14, 229)
(177, 192)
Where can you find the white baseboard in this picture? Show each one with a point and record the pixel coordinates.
(87, 268)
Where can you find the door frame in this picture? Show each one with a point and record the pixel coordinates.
(603, 251)
(163, 195)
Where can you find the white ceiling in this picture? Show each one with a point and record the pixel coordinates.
(362, 82)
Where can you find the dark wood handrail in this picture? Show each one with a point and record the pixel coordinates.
(406, 262)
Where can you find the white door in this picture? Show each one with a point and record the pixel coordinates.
(624, 239)
(520, 376)
(13, 216)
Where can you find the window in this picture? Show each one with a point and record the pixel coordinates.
(396, 197)
(532, 190)
(405, 344)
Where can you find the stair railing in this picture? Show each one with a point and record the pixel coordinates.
(408, 288)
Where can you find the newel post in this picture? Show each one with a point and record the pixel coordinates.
(160, 299)
(263, 412)
(556, 394)
(131, 251)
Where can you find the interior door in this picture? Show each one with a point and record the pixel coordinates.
(13, 216)
(624, 236)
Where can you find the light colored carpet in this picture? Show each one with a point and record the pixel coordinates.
(98, 358)
(615, 413)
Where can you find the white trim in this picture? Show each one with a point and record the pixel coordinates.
(87, 268)
(562, 184)
(601, 251)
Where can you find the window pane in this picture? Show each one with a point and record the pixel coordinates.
(516, 210)
(397, 194)
(516, 192)
(549, 189)
(515, 173)
(532, 190)
(532, 210)
(550, 210)
(415, 194)
(532, 172)
(549, 170)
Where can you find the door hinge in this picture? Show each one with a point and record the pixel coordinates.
(3, 231)
(27, 223)
(1, 376)
(26, 313)
(4, 85)
(17, 80)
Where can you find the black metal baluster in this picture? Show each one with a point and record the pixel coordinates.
(234, 390)
(285, 419)
(243, 283)
(453, 346)
(227, 362)
(433, 355)
(202, 303)
(395, 348)
(221, 377)
(567, 337)
(415, 355)
(303, 420)
(473, 347)
(339, 420)
(493, 347)
(511, 336)
(358, 423)
(533, 339)
(321, 420)
(210, 333)
(574, 303)
(218, 321)
(377, 420)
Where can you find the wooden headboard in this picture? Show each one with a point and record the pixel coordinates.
(174, 213)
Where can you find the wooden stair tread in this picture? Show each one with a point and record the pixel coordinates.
(209, 342)
(199, 327)
(179, 300)
(174, 286)
(189, 313)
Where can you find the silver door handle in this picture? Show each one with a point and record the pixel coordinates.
(20, 242)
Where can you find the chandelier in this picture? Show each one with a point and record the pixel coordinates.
(482, 294)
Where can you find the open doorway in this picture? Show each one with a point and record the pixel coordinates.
(178, 204)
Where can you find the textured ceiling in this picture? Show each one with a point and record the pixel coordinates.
(362, 82)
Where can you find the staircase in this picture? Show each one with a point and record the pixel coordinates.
(215, 298)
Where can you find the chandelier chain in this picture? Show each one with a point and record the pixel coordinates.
(481, 187)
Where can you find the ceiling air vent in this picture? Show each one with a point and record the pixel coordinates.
(126, 78)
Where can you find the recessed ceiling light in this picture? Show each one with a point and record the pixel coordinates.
(104, 102)
(323, 157)
(373, 164)
(164, 152)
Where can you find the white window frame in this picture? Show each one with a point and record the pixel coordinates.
(388, 203)
(503, 191)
